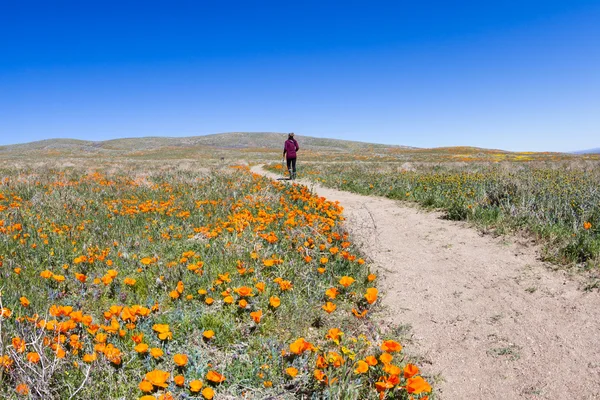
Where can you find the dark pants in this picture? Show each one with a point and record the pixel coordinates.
(291, 164)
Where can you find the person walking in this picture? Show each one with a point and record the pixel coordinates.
(290, 148)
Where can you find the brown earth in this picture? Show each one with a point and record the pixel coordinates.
(489, 319)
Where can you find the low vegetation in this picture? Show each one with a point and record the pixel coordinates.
(557, 202)
(125, 283)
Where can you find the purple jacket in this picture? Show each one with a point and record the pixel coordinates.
(290, 147)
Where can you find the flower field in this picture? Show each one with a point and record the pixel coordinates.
(173, 284)
(556, 202)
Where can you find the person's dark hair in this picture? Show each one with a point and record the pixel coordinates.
(291, 135)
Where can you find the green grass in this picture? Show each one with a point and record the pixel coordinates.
(551, 201)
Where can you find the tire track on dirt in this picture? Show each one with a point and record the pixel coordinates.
(487, 316)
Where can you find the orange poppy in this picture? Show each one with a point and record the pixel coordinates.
(256, 316)
(195, 386)
(371, 295)
(179, 380)
(274, 301)
(146, 386)
(417, 385)
(346, 281)
(158, 378)
(361, 367)
(180, 360)
(214, 376)
(329, 307)
(208, 393)
(391, 346)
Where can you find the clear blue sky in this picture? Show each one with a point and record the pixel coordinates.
(515, 75)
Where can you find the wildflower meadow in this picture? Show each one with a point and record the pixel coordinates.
(178, 284)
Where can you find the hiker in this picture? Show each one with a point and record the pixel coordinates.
(290, 148)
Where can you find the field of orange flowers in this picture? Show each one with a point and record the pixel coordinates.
(174, 284)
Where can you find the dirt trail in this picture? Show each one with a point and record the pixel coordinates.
(487, 316)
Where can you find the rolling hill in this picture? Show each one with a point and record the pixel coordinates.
(221, 142)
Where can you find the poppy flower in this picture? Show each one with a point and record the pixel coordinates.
(329, 307)
(361, 367)
(180, 360)
(214, 376)
(417, 385)
(137, 338)
(195, 386)
(179, 380)
(274, 301)
(156, 352)
(158, 378)
(291, 371)
(371, 295)
(346, 281)
(334, 334)
(391, 369)
(383, 385)
(372, 361)
(300, 345)
(391, 346)
(208, 393)
(256, 316)
(146, 261)
(33, 357)
(22, 389)
(141, 348)
(129, 281)
(410, 370)
(18, 344)
(321, 362)
(209, 334)
(244, 291)
(386, 358)
(319, 374)
(332, 293)
(24, 301)
(146, 386)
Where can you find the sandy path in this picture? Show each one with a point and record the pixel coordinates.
(489, 318)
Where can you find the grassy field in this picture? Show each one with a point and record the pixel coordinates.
(558, 202)
(180, 280)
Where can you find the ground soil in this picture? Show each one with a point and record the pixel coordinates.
(490, 320)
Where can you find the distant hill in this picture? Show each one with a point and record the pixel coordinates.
(264, 146)
(590, 151)
(222, 141)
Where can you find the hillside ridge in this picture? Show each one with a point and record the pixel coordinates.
(229, 140)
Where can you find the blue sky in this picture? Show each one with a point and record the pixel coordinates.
(514, 75)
